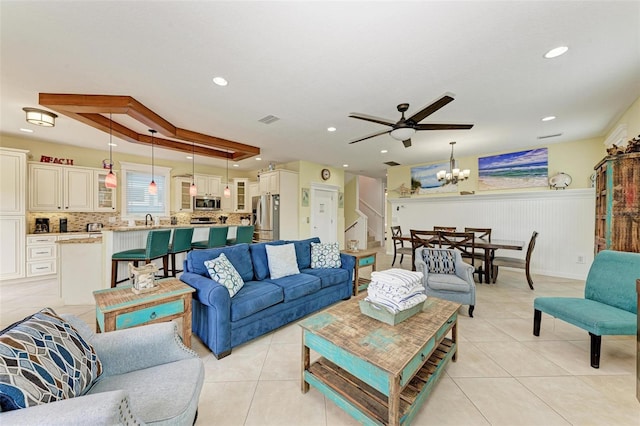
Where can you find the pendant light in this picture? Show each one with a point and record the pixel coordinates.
(153, 188)
(227, 191)
(193, 191)
(110, 181)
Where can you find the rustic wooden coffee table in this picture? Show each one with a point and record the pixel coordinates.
(378, 373)
(118, 308)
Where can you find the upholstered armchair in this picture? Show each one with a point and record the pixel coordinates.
(446, 275)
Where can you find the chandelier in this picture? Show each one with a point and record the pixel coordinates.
(454, 174)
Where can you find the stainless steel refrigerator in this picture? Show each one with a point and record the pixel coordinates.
(266, 217)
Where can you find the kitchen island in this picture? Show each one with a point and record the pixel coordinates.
(79, 269)
(131, 237)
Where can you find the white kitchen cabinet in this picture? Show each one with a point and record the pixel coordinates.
(60, 188)
(270, 183)
(12, 181)
(254, 190)
(104, 199)
(181, 200)
(240, 195)
(41, 255)
(208, 186)
(12, 232)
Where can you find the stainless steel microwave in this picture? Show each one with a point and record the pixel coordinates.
(206, 203)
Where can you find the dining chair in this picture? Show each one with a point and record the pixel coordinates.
(484, 233)
(398, 245)
(445, 228)
(419, 239)
(464, 242)
(514, 262)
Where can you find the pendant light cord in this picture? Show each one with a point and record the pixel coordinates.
(110, 145)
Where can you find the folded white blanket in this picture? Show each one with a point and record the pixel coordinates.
(397, 306)
(396, 281)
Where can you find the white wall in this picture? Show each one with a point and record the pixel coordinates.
(371, 192)
(564, 219)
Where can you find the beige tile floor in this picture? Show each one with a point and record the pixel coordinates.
(504, 375)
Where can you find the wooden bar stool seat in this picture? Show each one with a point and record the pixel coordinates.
(157, 247)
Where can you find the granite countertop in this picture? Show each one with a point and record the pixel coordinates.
(152, 227)
(95, 240)
(57, 234)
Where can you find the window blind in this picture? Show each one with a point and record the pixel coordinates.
(139, 201)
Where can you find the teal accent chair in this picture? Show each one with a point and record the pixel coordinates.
(244, 234)
(180, 243)
(157, 247)
(217, 238)
(609, 306)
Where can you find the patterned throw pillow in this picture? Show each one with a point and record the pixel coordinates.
(44, 359)
(221, 270)
(439, 261)
(282, 260)
(325, 255)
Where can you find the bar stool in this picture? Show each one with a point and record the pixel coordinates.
(157, 247)
(217, 238)
(180, 243)
(244, 234)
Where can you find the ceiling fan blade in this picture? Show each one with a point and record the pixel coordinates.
(430, 109)
(434, 126)
(370, 136)
(407, 143)
(372, 119)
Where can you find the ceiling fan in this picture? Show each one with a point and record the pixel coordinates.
(406, 127)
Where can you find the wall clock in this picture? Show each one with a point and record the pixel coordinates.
(326, 174)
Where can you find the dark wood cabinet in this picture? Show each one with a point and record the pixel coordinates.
(618, 203)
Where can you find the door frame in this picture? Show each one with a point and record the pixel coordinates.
(334, 212)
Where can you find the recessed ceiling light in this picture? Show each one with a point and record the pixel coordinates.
(345, 165)
(115, 144)
(220, 81)
(549, 118)
(331, 129)
(26, 130)
(258, 159)
(384, 151)
(189, 157)
(554, 53)
(236, 165)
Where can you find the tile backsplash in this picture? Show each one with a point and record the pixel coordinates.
(77, 221)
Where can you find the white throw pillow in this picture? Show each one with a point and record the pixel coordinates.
(282, 260)
(325, 255)
(222, 270)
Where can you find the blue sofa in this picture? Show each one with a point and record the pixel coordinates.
(263, 304)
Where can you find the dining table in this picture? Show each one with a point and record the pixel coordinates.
(488, 245)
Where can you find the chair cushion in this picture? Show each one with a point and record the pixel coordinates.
(303, 251)
(328, 276)
(222, 271)
(325, 255)
(439, 261)
(297, 286)
(259, 258)
(595, 317)
(253, 297)
(238, 255)
(447, 282)
(133, 254)
(44, 359)
(282, 260)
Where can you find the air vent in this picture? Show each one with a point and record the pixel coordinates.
(550, 136)
(269, 119)
(391, 163)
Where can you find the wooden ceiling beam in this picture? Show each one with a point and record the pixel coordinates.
(88, 109)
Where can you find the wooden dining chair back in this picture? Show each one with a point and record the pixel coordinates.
(445, 228)
(421, 238)
(484, 233)
(513, 262)
(480, 255)
(398, 245)
(464, 242)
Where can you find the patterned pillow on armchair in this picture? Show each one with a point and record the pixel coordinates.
(439, 261)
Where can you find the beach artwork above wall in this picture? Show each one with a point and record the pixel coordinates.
(524, 169)
(424, 180)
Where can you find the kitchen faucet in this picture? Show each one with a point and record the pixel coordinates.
(148, 217)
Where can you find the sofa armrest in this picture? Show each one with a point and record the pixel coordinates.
(136, 348)
(208, 291)
(347, 262)
(105, 408)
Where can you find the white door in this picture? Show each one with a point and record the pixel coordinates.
(324, 214)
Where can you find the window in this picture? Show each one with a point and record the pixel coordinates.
(136, 200)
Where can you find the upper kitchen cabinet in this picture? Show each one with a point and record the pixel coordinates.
(104, 199)
(270, 183)
(182, 201)
(60, 188)
(240, 195)
(208, 186)
(12, 181)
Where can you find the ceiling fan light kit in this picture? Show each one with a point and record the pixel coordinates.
(405, 128)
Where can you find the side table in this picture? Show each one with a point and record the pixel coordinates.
(118, 308)
(364, 258)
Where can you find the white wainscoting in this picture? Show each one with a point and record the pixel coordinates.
(565, 220)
